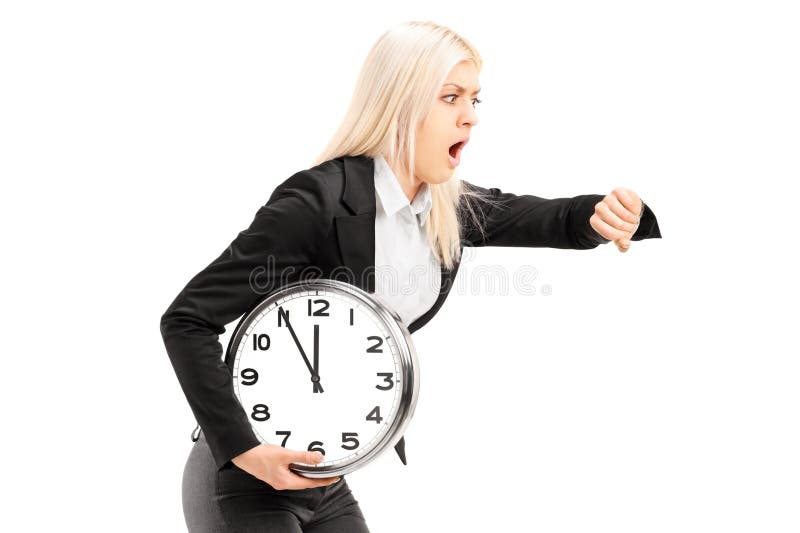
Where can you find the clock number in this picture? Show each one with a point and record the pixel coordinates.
(285, 436)
(350, 437)
(375, 415)
(261, 342)
(387, 377)
(377, 347)
(260, 412)
(351, 316)
(283, 316)
(319, 312)
(249, 376)
(316, 446)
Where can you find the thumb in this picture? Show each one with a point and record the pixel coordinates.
(623, 244)
(307, 457)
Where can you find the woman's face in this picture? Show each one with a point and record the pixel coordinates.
(449, 121)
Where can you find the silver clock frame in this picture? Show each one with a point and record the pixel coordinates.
(408, 361)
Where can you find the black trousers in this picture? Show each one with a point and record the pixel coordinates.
(232, 500)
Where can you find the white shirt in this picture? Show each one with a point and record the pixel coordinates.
(407, 272)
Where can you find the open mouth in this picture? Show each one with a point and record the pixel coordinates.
(455, 153)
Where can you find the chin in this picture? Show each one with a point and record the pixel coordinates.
(441, 179)
(435, 174)
(445, 175)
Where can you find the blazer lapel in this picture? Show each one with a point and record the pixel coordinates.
(356, 232)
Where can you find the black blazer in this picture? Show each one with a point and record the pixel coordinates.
(320, 222)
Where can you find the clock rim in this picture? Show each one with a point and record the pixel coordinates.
(408, 360)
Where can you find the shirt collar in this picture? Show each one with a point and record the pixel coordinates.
(392, 197)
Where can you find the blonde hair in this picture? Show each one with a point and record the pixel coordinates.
(398, 82)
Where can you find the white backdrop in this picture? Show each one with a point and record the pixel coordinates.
(653, 391)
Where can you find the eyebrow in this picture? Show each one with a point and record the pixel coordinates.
(460, 88)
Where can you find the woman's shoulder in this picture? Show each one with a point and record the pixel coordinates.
(327, 174)
(323, 182)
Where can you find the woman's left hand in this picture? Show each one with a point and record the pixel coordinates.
(617, 216)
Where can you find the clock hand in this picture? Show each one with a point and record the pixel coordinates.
(315, 373)
(285, 317)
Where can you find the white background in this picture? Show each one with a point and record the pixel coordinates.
(653, 391)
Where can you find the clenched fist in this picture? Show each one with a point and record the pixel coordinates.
(617, 216)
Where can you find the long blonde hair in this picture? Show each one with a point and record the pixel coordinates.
(398, 82)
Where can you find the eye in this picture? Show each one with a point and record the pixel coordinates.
(475, 101)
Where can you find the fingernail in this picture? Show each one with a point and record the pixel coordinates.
(320, 457)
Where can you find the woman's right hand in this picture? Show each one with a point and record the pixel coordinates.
(270, 463)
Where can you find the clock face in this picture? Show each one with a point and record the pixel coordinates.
(319, 370)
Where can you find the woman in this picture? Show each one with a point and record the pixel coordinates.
(382, 194)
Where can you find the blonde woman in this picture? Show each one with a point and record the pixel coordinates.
(382, 194)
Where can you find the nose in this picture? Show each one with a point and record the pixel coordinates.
(470, 116)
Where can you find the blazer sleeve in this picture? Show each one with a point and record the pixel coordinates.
(526, 220)
(283, 237)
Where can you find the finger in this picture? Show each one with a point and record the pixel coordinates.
(606, 230)
(620, 210)
(629, 199)
(298, 482)
(611, 218)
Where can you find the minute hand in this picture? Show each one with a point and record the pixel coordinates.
(285, 317)
(316, 361)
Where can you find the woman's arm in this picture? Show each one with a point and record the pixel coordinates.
(283, 238)
(527, 220)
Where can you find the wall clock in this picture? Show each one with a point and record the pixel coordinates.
(324, 365)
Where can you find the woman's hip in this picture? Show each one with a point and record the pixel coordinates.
(222, 500)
